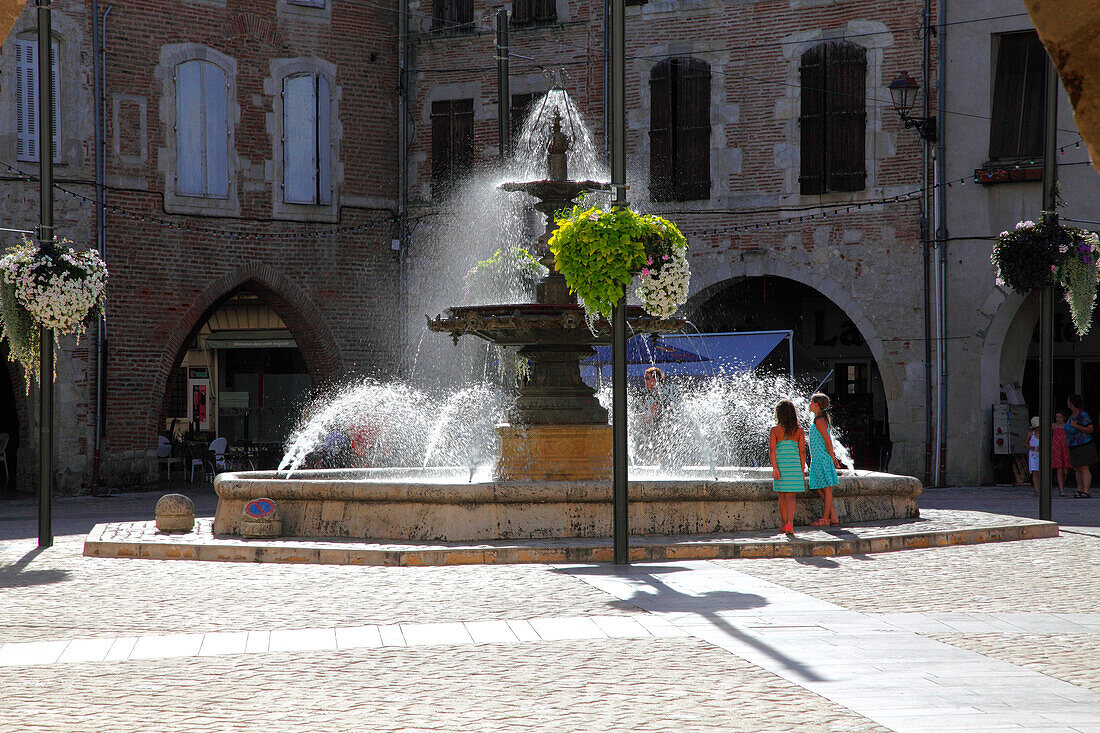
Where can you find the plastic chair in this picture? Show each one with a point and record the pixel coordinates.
(4, 437)
(164, 454)
(214, 462)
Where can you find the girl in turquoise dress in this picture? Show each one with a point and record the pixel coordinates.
(787, 447)
(823, 462)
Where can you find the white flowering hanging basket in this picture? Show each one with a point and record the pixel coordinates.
(62, 290)
(662, 291)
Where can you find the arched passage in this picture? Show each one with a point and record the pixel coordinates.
(825, 336)
(13, 422)
(242, 356)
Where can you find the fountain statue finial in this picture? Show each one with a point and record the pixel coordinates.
(556, 162)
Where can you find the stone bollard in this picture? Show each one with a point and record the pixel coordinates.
(261, 519)
(175, 513)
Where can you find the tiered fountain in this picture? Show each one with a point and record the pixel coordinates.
(552, 475)
(557, 429)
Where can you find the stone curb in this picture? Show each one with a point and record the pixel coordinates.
(643, 549)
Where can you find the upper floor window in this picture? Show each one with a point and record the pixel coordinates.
(308, 3)
(26, 101)
(202, 130)
(518, 112)
(529, 12)
(834, 118)
(1017, 126)
(307, 139)
(452, 15)
(452, 143)
(679, 130)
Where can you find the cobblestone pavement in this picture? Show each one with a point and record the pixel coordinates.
(1074, 658)
(654, 684)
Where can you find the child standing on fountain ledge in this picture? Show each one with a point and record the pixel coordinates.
(787, 447)
(823, 462)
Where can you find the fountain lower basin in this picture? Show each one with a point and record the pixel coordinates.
(443, 505)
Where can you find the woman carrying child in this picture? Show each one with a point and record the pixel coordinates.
(823, 460)
(787, 448)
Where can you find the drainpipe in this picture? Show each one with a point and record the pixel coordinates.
(941, 240)
(926, 249)
(99, 83)
(504, 94)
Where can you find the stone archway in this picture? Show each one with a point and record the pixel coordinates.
(311, 333)
(21, 443)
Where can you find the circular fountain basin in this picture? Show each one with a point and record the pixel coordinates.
(419, 504)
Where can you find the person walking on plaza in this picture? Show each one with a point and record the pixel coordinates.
(787, 448)
(1082, 448)
(823, 460)
(1033, 454)
(1059, 451)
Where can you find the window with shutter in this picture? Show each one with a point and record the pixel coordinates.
(530, 12)
(456, 15)
(202, 130)
(833, 118)
(26, 96)
(1017, 125)
(307, 140)
(452, 143)
(679, 130)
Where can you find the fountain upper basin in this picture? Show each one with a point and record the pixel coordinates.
(442, 505)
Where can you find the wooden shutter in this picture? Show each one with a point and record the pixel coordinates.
(1017, 125)
(523, 12)
(324, 141)
(216, 138)
(845, 117)
(546, 11)
(518, 111)
(452, 15)
(190, 169)
(811, 179)
(452, 143)
(300, 144)
(26, 100)
(691, 132)
(660, 131)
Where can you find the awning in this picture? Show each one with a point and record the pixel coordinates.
(249, 340)
(642, 349)
(723, 352)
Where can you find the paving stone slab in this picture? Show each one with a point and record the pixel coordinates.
(935, 528)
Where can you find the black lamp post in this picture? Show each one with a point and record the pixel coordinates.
(903, 94)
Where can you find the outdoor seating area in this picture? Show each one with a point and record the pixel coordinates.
(202, 461)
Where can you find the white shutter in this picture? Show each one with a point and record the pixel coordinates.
(324, 141)
(55, 80)
(26, 100)
(216, 98)
(190, 174)
(300, 139)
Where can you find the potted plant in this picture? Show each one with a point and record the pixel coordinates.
(599, 252)
(61, 289)
(1033, 255)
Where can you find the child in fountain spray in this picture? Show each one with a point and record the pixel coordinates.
(823, 460)
(787, 448)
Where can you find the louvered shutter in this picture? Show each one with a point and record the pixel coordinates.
(546, 11)
(811, 179)
(462, 138)
(523, 12)
(324, 141)
(55, 80)
(660, 131)
(216, 134)
(691, 145)
(464, 13)
(845, 117)
(300, 149)
(190, 127)
(26, 100)
(441, 147)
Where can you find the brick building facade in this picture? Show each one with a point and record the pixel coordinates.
(206, 81)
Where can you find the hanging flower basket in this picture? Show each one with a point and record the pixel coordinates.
(599, 252)
(1031, 256)
(62, 291)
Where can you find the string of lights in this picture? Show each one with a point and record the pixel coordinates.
(237, 234)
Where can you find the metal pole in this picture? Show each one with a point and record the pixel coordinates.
(46, 246)
(99, 37)
(403, 165)
(939, 207)
(618, 317)
(1046, 295)
(929, 472)
(504, 94)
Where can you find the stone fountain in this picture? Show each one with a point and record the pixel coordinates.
(557, 430)
(552, 477)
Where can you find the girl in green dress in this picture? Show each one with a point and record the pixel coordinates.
(787, 447)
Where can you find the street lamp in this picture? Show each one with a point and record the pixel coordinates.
(903, 93)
